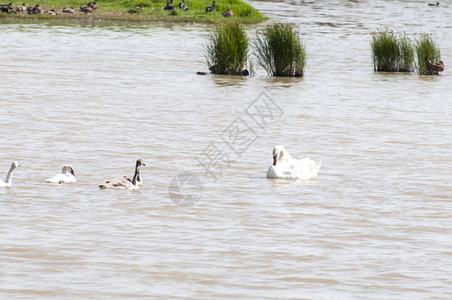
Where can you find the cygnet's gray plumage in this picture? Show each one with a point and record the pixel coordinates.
(124, 182)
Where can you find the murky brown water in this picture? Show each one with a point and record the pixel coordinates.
(376, 223)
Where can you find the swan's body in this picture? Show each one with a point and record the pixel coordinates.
(7, 183)
(124, 182)
(286, 167)
(67, 176)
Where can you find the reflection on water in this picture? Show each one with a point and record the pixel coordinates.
(375, 224)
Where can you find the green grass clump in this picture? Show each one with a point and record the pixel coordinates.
(385, 51)
(392, 53)
(406, 59)
(427, 52)
(280, 52)
(227, 52)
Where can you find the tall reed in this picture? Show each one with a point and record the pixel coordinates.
(406, 59)
(280, 52)
(427, 53)
(227, 52)
(391, 52)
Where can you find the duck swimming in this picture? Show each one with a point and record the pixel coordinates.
(9, 176)
(67, 176)
(436, 66)
(124, 182)
(286, 167)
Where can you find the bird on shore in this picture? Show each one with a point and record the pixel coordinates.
(94, 5)
(211, 7)
(436, 66)
(139, 7)
(21, 8)
(124, 182)
(227, 13)
(67, 176)
(6, 8)
(70, 10)
(183, 6)
(433, 4)
(8, 182)
(34, 9)
(169, 5)
(51, 12)
(86, 8)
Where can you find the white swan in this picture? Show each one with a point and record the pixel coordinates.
(124, 182)
(67, 176)
(7, 183)
(284, 166)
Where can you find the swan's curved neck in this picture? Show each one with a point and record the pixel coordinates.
(137, 176)
(10, 174)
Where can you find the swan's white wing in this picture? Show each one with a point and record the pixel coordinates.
(61, 178)
(295, 169)
(308, 169)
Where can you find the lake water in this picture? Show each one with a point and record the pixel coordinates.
(375, 224)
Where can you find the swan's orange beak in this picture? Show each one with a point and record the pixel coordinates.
(275, 159)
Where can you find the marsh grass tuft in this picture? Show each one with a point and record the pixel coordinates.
(406, 59)
(391, 52)
(279, 51)
(385, 51)
(427, 52)
(227, 52)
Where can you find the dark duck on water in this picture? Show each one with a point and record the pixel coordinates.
(436, 66)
